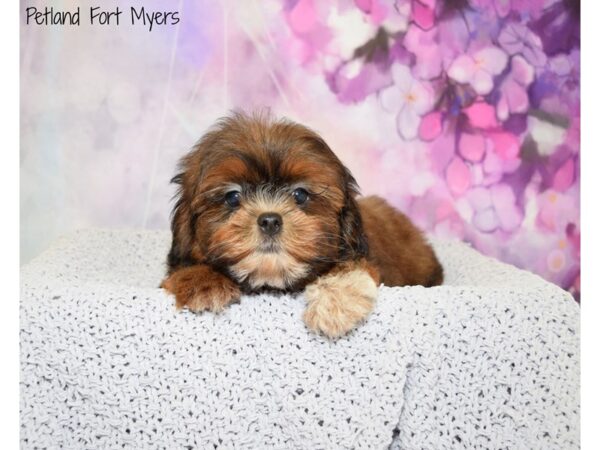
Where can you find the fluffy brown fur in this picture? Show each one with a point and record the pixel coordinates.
(325, 241)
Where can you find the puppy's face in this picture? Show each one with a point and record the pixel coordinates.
(266, 202)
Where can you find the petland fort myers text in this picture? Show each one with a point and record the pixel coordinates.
(98, 16)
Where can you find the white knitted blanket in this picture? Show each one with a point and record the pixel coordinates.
(489, 360)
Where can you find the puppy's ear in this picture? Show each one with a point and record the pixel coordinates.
(354, 242)
(185, 249)
(182, 229)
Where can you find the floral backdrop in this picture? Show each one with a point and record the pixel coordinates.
(462, 113)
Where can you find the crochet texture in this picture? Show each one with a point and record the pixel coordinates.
(489, 360)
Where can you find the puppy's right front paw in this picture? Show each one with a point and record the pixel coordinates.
(339, 302)
(200, 288)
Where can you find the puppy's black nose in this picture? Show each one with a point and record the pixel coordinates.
(270, 223)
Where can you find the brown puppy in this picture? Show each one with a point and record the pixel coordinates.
(267, 204)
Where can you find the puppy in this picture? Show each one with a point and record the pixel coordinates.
(265, 204)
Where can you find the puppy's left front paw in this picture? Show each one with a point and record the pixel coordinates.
(338, 302)
(199, 288)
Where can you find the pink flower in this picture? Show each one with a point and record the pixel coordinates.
(423, 13)
(427, 51)
(458, 176)
(431, 126)
(481, 115)
(409, 98)
(513, 90)
(441, 151)
(471, 146)
(374, 8)
(564, 176)
(506, 145)
(311, 35)
(393, 18)
(479, 68)
(495, 165)
(303, 17)
(516, 38)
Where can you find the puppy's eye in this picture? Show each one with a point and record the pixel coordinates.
(300, 196)
(233, 198)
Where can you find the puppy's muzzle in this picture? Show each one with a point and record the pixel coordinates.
(270, 223)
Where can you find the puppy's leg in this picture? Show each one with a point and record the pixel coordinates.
(200, 288)
(341, 299)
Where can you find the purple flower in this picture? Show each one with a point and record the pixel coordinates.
(516, 38)
(478, 68)
(559, 27)
(513, 90)
(353, 81)
(410, 98)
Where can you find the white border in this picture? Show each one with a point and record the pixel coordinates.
(590, 166)
(9, 231)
